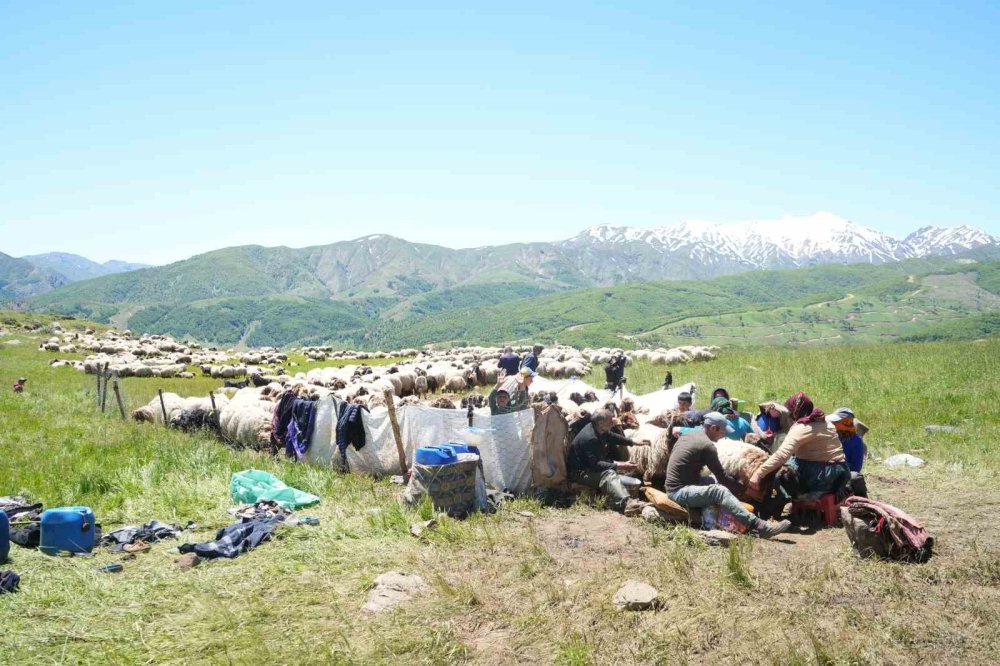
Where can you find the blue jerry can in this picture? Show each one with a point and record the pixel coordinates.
(4, 537)
(68, 528)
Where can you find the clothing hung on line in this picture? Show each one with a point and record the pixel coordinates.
(300, 428)
(236, 539)
(279, 422)
(350, 426)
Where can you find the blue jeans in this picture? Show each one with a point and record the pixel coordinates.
(698, 497)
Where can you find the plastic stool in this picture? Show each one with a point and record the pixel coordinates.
(826, 506)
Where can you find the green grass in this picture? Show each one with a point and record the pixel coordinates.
(506, 588)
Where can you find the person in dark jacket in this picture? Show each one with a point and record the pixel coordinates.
(509, 362)
(530, 361)
(614, 372)
(684, 484)
(668, 380)
(589, 464)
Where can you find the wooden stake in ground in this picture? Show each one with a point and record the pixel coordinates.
(215, 411)
(390, 403)
(104, 393)
(163, 406)
(118, 398)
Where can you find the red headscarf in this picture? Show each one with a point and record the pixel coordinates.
(800, 406)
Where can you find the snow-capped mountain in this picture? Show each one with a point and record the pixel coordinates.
(942, 241)
(788, 242)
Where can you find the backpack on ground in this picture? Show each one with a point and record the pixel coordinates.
(877, 529)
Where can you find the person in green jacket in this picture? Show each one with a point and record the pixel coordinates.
(500, 399)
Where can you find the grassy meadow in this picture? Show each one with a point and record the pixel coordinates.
(509, 588)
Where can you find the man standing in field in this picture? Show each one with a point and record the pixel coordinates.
(530, 361)
(509, 362)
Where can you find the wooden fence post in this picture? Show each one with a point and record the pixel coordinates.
(163, 406)
(118, 398)
(215, 410)
(104, 393)
(390, 403)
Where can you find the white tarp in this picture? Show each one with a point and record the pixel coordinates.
(504, 441)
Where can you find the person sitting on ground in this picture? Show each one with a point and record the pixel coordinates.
(588, 462)
(668, 380)
(692, 417)
(509, 362)
(685, 485)
(530, 361)
(500, 399)
(814, 443)
(720, 393)
(19, 384)
(850, 432)
(737, 427)
(771, 425)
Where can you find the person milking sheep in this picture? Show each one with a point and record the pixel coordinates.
(588, 462)
(851, 432)
(819, 455)
(685, 485)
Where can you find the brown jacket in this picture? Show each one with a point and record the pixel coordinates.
(817, 441)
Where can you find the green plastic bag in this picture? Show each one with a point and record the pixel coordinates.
(252, 485)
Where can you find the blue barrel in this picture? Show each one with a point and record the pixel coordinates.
(462, 448)
(4, 537)
(435, 455)
(68, 528)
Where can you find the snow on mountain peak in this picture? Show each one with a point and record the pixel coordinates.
(821, 237)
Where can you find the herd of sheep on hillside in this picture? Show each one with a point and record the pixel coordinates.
(255, 380)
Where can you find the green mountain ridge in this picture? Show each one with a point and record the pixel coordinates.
(825, 304)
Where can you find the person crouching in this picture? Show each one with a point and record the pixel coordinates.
(685, 485)
(589, 464)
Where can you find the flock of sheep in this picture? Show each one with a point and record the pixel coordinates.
(446, 379)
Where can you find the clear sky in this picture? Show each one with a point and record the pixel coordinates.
(151, 131)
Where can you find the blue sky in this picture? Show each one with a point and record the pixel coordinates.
(154, 131)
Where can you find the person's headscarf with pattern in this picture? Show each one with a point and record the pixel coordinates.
(800, 406)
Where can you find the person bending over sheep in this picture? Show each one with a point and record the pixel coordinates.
(819, 455)
(500, 399)
(588, 461)
(686, 486)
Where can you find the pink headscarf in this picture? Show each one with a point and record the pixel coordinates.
(800, 406)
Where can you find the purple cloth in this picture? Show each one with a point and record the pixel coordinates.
(300, 428)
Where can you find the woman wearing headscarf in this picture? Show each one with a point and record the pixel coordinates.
(771, 425)
(814, 443)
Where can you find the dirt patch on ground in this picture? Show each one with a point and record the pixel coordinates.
(589, 542)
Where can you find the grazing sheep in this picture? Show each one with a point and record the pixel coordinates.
(443, 403)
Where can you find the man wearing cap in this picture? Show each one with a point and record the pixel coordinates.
(588, 463)
(685, 486)
(530, 361)
(849, 431)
